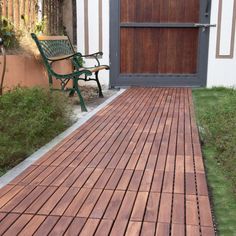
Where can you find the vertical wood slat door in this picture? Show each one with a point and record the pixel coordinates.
(157, 43)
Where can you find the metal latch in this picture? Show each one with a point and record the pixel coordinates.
(204, 26)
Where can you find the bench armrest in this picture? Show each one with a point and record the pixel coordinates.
(95, 56)
(61, 58)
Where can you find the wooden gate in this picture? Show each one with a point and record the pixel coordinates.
(159, 42)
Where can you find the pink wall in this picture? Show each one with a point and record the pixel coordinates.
(26, 71)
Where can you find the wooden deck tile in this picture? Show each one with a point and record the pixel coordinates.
(178, 214)
(89, 227)
(47, 225)
(148, 229)
(33, 225)
(133, 229)
(77, 202)
(178, 230)
(192, 217)
(163, 229)
(52, 201)
(61, 226)
(101, 205)
(75, 227)
(7, 222)
(89, 203)
(139, 207)
(104, 228)
(18, 225)
(134, 168)
(114, 205)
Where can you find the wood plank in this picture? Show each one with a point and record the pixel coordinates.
(7, 222)
(17, 199)
(165, 208)
(139, 207)
(202, 188)
(89, 227)
(192, 217)
(37, 204)
(33, 225)
(65, 202)
(114, 179)
(152, 207)
(148, 229)
(18, 225)
(122, 219)
(205, 212)
(163, 229)
(101, 205)
(104, 228)
(136, 180)
(20, 208)
(114, 205)
(9, 195)
(61, 226)
(133, 228)
(52, 201)
(146, 181)
(178, 230)
(75, 227)
(208, 231)
(178, 214)
(77, 202)
(89, 203)
(47, 225)
(104, 178)
(5, 190)
(192, 230)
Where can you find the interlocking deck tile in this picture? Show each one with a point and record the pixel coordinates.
(134, 168)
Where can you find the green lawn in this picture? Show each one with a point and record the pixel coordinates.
(216, 117)
(29, 118)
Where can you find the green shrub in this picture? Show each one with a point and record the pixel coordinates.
(8, 33)
(29, 118)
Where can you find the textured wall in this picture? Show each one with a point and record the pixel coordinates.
(222, 50)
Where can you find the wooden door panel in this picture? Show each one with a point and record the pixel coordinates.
(159, 11)
(158, 50)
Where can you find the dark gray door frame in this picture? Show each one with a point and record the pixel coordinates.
(162, 80)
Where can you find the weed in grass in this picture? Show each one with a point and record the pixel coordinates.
(29, 118)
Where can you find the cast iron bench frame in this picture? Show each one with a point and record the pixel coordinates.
(59, 48)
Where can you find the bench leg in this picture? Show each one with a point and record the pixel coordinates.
(76, 87)
(99, 85)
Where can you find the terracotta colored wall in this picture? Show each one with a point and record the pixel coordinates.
(26, 71)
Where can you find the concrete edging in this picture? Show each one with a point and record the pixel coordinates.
(14, 172)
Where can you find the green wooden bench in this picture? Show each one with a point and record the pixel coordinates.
(58, 48)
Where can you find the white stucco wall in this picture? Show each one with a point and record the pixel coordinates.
(221, 71)
(93, 26)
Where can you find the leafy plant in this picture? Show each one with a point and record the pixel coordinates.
(29, 118)
(40, 26)
(8, 33)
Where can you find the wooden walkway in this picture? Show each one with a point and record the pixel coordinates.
(135, 168)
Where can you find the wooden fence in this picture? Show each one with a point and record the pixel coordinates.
(26, 12)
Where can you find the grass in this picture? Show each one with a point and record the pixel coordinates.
(29, 118)
(216, 116)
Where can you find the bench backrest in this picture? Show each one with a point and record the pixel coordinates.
(53, 46)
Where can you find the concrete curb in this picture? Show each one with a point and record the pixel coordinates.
(14, 172)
